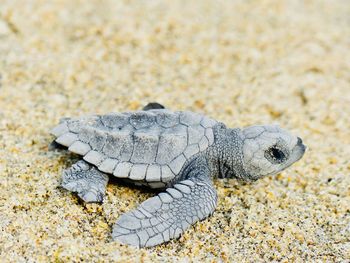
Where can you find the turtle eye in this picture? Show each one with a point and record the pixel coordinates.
(275, 154)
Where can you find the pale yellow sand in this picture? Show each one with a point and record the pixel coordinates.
(241, 62)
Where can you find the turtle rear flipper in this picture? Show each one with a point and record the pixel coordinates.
(169, 214)
(86, 180)
(153, 106)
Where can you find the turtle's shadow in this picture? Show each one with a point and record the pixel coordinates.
(120, 182)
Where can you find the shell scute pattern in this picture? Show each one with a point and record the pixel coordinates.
(172, 143)
(122, 170)
(153, 173)
(108, 165)
(114, 121)
(142, 119)
(145, 145)
(167, 119)
(190, 118)
(138, 172)
(114, 144)
(195, 134)
(97, 140)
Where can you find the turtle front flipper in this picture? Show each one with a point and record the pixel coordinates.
(86, 180)
(167, 215)
(153, 106)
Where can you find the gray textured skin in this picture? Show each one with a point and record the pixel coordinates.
(176, 151)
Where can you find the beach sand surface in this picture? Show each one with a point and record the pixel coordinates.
(240, 62)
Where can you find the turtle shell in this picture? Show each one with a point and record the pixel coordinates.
(148, 146)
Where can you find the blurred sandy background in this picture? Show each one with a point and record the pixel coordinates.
(241, 62)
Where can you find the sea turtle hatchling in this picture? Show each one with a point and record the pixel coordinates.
(179, 152)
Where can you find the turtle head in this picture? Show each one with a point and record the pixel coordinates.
(268, 149)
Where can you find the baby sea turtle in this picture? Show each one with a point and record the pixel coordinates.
(179, 152)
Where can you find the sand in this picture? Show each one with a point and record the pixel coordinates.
(240, 62)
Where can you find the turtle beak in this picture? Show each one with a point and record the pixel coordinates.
(298, 151)
(301, 146)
